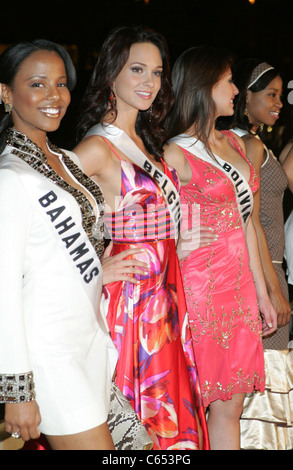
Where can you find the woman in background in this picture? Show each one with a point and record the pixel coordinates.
(222, 294)
(258, 104)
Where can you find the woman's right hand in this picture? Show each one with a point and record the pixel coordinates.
(192, 239)
(23, 418)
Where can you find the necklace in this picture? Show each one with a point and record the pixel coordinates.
(29, 152)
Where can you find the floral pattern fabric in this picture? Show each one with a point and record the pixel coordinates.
(148, 321)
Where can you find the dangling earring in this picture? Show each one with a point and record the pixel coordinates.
(112, 101)
(8, 108)
(246, 112)
(261, 127)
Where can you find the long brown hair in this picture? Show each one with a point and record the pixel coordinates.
(194, 74)
(112, 58)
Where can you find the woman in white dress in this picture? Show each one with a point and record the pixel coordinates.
(56, 356)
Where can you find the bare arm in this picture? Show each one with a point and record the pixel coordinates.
(174, 157)
(255, 152)
(267, 310)
(97, 162)
(287, 163)
(94, 155)
(198, 236)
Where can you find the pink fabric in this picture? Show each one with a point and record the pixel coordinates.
(219, 289)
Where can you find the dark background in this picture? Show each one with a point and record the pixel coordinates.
(262, 29)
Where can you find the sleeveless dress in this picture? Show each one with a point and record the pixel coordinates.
(274, 182)
(262, 428)
(289, 247)
(219, 287)
(148, 321)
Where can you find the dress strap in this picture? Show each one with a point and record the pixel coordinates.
(109, 145)
(235, 142)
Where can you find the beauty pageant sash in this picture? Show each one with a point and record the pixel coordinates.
(122, 141)
(244, 196)
(63, 218)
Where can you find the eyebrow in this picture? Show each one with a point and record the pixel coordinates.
(273, 89)
(43, 76)
(141, 63)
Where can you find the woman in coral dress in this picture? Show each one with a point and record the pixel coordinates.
(147, 320)
(217, 192)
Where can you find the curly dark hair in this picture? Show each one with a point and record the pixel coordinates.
(112, 58)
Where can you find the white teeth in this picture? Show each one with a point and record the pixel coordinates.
(144, 93)
(51, 110)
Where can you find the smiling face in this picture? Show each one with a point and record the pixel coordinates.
(264, 106)
(139, 81)
(223, 94)
(39, 94)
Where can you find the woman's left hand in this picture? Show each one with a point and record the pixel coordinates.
(269, 316)
(117, 268)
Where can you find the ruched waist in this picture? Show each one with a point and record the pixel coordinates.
(137, 224)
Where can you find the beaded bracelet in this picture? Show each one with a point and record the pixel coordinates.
(17, 388)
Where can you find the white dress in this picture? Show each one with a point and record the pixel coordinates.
(50, 287)
(289, 247)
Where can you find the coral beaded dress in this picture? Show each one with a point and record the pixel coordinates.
(219, 287)
(148, 321)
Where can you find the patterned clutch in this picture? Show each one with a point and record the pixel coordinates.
(128, 433)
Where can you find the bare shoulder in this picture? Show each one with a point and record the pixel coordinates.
(173, 154)
(254, 149)
(240, 141)
(288, 167)
(287, 152)
(94, 154)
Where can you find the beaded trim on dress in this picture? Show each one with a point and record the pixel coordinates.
(29, 152)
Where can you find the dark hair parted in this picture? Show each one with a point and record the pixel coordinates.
(112, 58)
(194, 75)
(10, 62)
(242, 72)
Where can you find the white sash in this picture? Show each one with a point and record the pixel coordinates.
(122, 141)
(64, 222)
(244, 196)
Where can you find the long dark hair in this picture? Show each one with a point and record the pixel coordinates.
(112, 58)
(10, 62)
(242, 72)
(194, 74)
